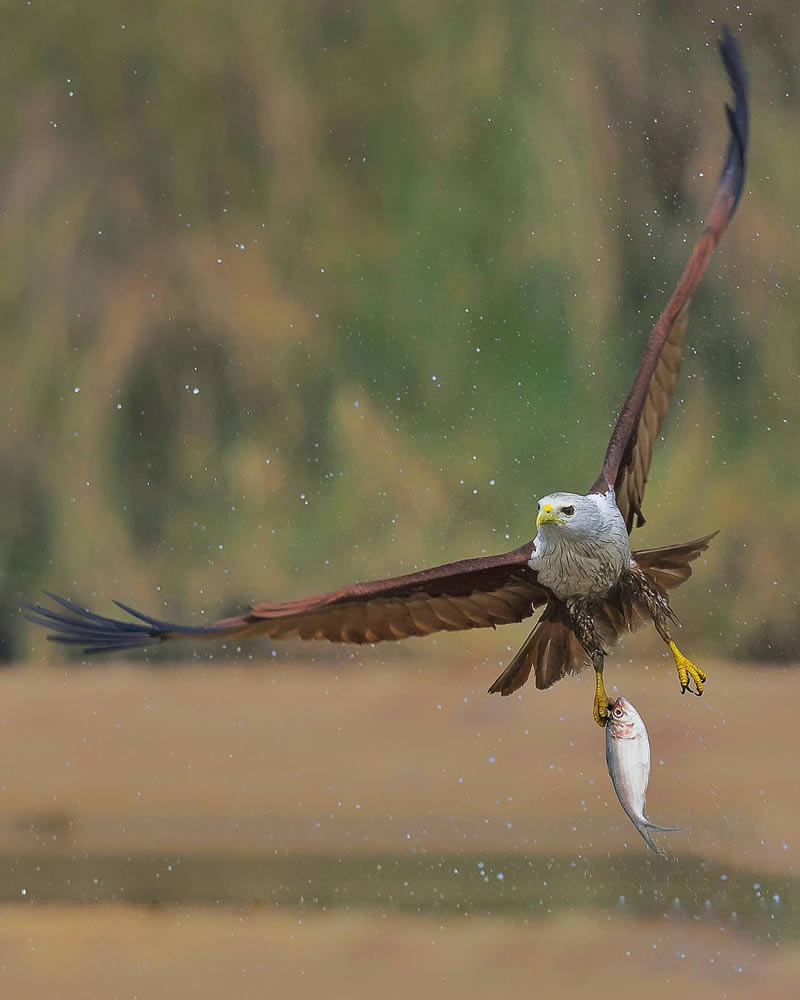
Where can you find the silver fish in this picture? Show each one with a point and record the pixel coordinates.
(628, 759)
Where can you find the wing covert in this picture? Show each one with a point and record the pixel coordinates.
(472, 593)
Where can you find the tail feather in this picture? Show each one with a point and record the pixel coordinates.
(516, 673)
(551, 651)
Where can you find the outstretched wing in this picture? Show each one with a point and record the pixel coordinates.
(472, 593)
(627, 461)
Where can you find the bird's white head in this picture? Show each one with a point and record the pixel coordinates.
(572, 514)
(581, 544)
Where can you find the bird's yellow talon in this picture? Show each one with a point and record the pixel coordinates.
(687, 671)
(600, 701)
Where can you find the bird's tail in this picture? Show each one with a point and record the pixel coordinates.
(551, 651)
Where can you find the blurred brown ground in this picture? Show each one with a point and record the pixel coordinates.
(365, 759)
(101, 951)
(415, 755)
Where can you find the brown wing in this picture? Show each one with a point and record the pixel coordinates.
(472, 593)
(627, 461)
(669, 566)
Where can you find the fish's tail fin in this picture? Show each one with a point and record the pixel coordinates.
(663, 829)
(646, 828)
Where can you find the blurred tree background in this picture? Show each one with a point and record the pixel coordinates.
(300, 293)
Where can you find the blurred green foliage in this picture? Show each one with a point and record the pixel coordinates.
(298, 293)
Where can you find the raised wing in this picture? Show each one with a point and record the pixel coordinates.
(472, 593)
(627, 461)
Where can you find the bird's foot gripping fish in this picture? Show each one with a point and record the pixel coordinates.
(628, 759)
(579, 567)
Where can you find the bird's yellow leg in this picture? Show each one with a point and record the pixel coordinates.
(600, 699)
(582, 623)
(687, 671)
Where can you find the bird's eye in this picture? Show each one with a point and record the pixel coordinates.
(569, 511)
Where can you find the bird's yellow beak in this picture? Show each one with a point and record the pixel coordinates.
(547, 515)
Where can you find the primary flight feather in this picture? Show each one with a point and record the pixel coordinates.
(579, 567)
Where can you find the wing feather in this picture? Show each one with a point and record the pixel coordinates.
(630, 450)
(472, 593)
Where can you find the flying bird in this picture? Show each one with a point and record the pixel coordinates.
(579, 567)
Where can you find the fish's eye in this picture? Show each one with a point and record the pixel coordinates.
(618, 712)
(569, 511)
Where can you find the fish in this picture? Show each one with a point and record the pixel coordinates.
(628, 759)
